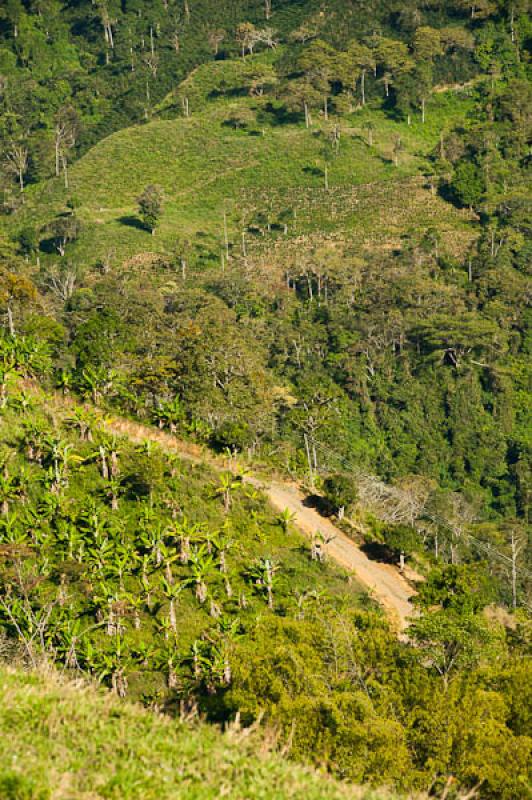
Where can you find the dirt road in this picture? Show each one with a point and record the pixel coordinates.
(384, 581)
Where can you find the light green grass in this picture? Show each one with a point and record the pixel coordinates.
(203, 165)
(61, 741)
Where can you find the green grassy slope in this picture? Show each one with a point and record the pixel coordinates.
(204, 165)
(59, 740)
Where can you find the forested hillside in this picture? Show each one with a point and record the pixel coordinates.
(295, 235)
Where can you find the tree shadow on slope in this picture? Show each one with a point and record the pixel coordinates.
(132, 222)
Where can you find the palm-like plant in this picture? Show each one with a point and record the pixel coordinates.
(113, 490)
(98, 555)
(263, 574)
(110, 665)
(221, 541)
(68, 642)
(120, 563)
(228, 485)
(210, 665)
(186, 533)
(23, 402)
(152, 541)
(63, 381)
(307, 599)
(84, 421)
(285, 518)
(202, 565)
(9, 489)
(96, 382)
(172, 591)
(7, 370)
(168, 659)
(13, 531)
(58, 457)
(169, 414)
(33, 439)
(106, 454)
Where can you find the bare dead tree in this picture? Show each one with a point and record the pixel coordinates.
(65, 133)
(216, 37)
(62, 283)
(16, 161)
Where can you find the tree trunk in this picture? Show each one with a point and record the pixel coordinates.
(226, 236)
(307, 449)
(10, 322)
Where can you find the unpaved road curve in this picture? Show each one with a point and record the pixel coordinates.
(384, 581)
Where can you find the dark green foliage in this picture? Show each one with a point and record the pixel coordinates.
(340, 491)
(468, 183)
(151, 206)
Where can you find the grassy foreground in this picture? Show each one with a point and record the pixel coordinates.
(62, 740)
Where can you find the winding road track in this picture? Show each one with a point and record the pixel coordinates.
(384, 582)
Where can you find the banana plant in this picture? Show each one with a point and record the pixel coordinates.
(135, 606)
(13, 531)
(285, 518)
(202, 565)
(263, 574)
(58, 457)
(91, 520)
(185, 534)
(113, 489)
(84, 421)
(152, 541)
(210, 665)
(33, 440)
(9, 490)
(96, 383)
(120, 563)
(169, 414)
(106, 455)
(31, 356)
(221, 542)
(98, 555)
(68, 642)
(111, 607)
(229, 484)
(172, 592)
(22, 402)
(7, 370)
(307, 599)
(63, 381)
(143, 653)
(110, 665)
